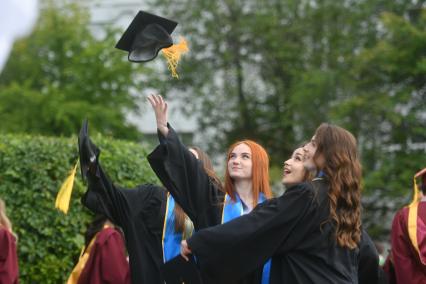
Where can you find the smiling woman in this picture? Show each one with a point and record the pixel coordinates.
(246, 182)
(247, 174)
(298, 229)
(294, 170)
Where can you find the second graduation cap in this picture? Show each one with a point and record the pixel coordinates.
(88, 151)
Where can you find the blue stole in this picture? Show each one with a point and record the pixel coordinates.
(171, 240)
(232, 210)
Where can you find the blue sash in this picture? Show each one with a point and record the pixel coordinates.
(232, 210)
(171, 240)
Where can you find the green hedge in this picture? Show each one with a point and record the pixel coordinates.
(32, 168)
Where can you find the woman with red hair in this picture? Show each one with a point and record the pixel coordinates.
(313, 232)
(246, 180)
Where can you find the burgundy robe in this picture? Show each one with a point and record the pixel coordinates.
(9, 272)
(107, 261)
(406, 261)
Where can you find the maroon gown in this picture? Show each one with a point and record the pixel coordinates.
(407, 265)
(9, 271)
(107, 261)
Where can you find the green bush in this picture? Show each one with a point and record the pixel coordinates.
(32, 169)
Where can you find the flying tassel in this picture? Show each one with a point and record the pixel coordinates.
(173, 55)
(64, 195)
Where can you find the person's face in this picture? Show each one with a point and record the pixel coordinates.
(294, 169)
(240, 163)
(194, 153)
(308, 153)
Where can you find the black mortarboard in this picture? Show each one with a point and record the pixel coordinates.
(178, 270)
(146, 36)
(87, 150)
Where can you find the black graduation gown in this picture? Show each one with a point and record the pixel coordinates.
(140, 213)
(293, 230)
(184, 177)
(186, 180)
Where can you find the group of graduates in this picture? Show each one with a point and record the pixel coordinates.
(197, 229)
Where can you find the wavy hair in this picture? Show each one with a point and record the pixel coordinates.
(338, 148)
(260, 171)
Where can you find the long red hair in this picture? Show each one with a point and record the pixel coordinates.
(260, 171)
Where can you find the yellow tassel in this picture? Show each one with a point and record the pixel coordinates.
(173, 55)
(64, 195)
(416, 195)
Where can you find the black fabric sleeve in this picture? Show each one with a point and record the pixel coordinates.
(118, 204)
(184, 177)
(369, 271)
(230, 251)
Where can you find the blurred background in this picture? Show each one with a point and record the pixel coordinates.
(268, 70)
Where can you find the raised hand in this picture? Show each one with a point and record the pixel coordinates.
(159, 106)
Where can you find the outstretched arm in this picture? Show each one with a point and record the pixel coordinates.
(103, 197)
(231, 250)
(182, 174)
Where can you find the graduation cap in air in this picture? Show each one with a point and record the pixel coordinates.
(88, 156)
(146, 35)
(88, 151)
(178, 270)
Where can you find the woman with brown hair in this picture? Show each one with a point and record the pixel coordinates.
(152, 222)
(203, 200)
(9, 272)
(312, 232)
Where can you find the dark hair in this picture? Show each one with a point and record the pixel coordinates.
(93, 228)
(342, 167)
(180, 215)
(423, 186)
(208, 166)
(309, 173)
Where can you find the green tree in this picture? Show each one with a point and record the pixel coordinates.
(388, 113)
(269, 70)
(62, 73)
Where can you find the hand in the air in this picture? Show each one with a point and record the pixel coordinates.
(159, 106)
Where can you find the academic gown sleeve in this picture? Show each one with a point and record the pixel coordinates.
(184, 177)
(118, 204)
(8, 258)
(369, 271)
(228, 252)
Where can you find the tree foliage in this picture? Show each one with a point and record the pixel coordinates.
(62, 73)
(32, 169)
(274, 70)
